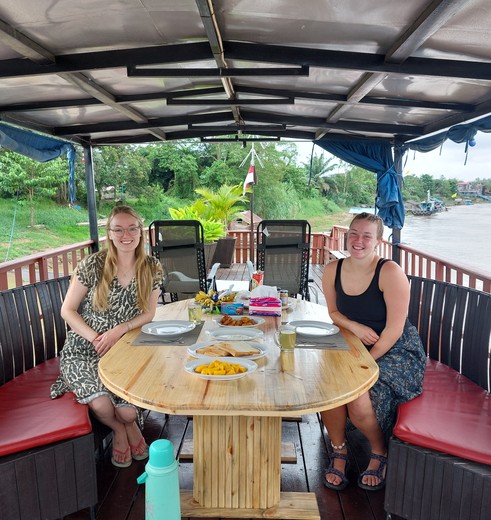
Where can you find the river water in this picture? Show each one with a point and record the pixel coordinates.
(461, 235)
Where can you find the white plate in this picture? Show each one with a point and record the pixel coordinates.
(235, 333)
(314, 328)
(247, 363)
(231, 359)
(168, 328)
(257, 319)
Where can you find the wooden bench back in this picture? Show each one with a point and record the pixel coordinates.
(31, 327)
(454, 323)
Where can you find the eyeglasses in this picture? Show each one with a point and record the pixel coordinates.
(132, 231)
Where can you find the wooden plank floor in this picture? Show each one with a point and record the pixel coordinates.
(121, 498)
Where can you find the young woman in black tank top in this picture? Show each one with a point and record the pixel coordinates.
(370, 296)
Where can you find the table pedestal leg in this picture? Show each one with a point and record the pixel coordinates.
(237, 461)
(237, 464)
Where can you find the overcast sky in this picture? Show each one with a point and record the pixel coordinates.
(447, 161)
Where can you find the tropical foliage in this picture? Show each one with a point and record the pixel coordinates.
(215, 210)
(158, 177)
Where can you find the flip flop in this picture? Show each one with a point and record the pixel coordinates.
(123, 453)
(379, 473)
(140, 451)
(333, 471)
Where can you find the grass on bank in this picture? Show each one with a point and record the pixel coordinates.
(58, 226)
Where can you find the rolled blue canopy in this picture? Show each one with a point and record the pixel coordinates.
(462, 133)
(40, 148)
(375, 156)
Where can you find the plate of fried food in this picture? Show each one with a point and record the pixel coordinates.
(237, 321)
(220, 369)
(232, 349)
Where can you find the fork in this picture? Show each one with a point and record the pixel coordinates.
(158, 341)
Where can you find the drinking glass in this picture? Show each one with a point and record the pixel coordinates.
(286, 337)
(194, 312)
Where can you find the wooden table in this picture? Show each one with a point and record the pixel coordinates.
(237, 424)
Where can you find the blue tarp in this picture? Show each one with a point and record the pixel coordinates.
(40, 148)
(458, 134)
(375, 156)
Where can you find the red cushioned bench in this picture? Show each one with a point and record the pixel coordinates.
(47, 455)
(453, 415)
(440, 453)
(30, 418)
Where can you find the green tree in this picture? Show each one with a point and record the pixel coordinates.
(174, 167)
(29, 179)
(123, 167)
(217, 173)
(354, 186)
(318, 168)
(428, 183)
(413, 189)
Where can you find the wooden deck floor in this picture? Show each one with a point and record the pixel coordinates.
(121, 498)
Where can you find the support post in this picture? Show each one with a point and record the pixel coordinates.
(251, 239)
(91, 198)
(396, 233)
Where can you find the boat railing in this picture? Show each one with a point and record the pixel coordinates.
(61, 261)
(418, 263)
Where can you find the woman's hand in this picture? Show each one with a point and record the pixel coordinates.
(105, 341)
(366, 334)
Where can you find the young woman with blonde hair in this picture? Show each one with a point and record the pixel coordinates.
(118, 289)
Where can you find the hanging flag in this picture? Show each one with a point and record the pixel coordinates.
(251, 175)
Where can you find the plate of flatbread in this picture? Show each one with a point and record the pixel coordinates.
(231, 349)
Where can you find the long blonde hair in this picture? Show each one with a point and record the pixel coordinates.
(145, 270)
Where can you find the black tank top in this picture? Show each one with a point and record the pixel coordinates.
(367, 308)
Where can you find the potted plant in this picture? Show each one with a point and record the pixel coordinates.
(215, 211)
(224, 205)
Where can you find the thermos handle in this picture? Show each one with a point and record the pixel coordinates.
(142, 478)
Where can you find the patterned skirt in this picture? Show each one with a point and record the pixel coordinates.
(401, 377)
(79, 374)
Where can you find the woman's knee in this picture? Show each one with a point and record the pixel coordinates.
(360, 409)
(101, 406)
(126, 414)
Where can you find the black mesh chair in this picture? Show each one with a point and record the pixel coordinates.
(179, 245)
(283, 251)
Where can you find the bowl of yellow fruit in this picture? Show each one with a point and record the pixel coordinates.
(220, 369)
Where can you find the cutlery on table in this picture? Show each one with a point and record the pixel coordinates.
(160, 341)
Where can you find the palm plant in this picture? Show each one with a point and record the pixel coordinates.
(224, 204)
(212, 229)
(215, 210)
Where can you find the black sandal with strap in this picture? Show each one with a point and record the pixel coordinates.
(333, 471)
(379, 473)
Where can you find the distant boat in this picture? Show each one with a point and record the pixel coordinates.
(429, 206)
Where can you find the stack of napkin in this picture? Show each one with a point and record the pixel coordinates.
(264, 301)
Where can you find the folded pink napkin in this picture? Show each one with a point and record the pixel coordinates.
(265, 306)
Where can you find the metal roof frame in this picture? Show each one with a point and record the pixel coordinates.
(128, 71)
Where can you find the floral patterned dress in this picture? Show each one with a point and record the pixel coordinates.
(78, 359)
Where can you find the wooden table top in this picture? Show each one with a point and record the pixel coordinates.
(285, 383)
